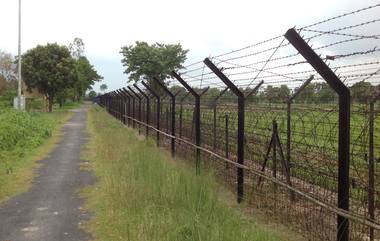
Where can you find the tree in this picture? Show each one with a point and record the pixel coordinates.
(8, 73)
(92, 94)
(50, 69)
(324, 93)
(77, 48)
(87, 76)
(144, 61)
(103, 88)
(277, 94)
(307, 95)
(362, 91)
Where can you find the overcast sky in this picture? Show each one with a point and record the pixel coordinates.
(203, 27)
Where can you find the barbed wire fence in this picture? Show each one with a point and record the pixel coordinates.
(290, 124)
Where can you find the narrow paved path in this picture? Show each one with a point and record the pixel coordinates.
(51, 210)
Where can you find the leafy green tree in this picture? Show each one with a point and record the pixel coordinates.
(362, 91)
(324, 93)
(277, 94)
(103, 88)
(8, 73)
(50, 69)
(144, 61)
(87, 76)
(92, 94)
(307, 95)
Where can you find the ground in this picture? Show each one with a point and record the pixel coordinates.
(52, 210)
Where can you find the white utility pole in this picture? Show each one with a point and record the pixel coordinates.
(19, 56)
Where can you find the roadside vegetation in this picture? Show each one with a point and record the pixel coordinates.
(25, 138)
(143, 194)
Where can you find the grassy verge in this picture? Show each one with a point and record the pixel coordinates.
(26, 138)
(142, 194)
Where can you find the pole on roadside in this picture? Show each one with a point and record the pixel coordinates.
(19, 56)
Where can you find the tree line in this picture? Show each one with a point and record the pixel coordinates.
(144, 62)
(56, 71)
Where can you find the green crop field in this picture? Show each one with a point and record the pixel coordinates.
(314, 138)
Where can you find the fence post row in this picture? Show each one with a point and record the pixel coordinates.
(119, 104)
(126, 94)
(344, 125)
(240, 134)
(112, 103)
(181, 113)
(139, 109)
(123, 105)
(172, 96)
(158, 109)
(197, 117)
(133, 107)
(128, 106)
(147, 107)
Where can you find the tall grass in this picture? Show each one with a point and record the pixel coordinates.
(143, 194)
(24, 139)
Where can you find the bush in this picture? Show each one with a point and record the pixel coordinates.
(20, 131)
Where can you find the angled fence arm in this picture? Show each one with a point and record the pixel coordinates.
(147, 107)
(133, 107)
(301, 88)
(197, 114)
(139, 99)
(344, 125)
(158, 108)
(257, 87)
(126, 105)
(240, 134)
(172, 96)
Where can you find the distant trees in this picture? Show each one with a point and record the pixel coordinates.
(362, 91)
(316, 93)
(144, 61)
(50, 69)
(92, 94)
(59, 72)
(313, 93)
(103, 88)
(8, 73)
(276, 94)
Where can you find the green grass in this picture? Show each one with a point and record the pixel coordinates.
(143, 194)
(25, 138)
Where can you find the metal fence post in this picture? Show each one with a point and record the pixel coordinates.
(128, 107)
(371, 165)
(172, 96)
(344, 125)
(181, 114)
(125, 106)
(227, 134)
(147, 108)
(197, 117)
(240, 136)
(158, 108)
(139, 110)
(133, 115)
